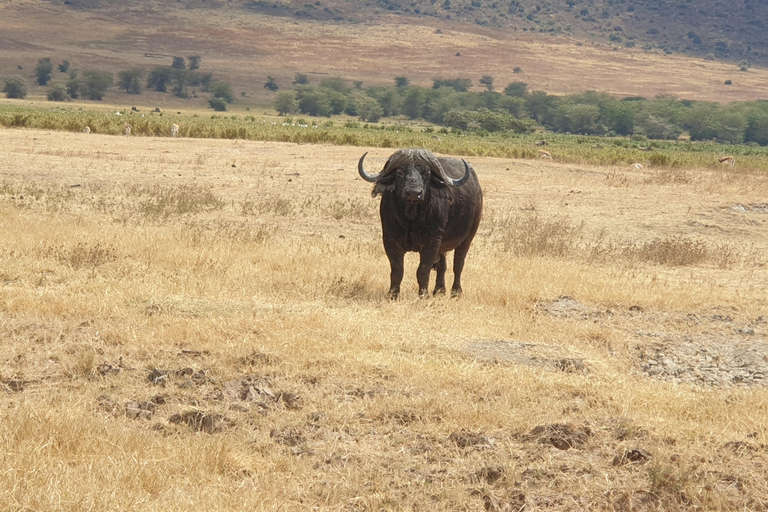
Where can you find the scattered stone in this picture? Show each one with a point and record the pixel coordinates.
(257, 359)
(746, 330)
(108, 405)
(487, 474)
(290, 401)
(634, 456)
(624, 433)
(136, 410)
(15, 385)
(261, 393)
(317, 418)
(404, 417)
(185, 372)
(743, 447)
(194, 353)
(467, 439)
(202, 422)
(291, 436)
(744, 208)
(158, 377)
(106, 368)
(569, 365)
(199, 377)
(513, 502)
(160, 399)
(560, 435)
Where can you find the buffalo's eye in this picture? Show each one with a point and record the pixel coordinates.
(436, 181)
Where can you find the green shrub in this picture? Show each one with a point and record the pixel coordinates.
(218, 104)
(58, 93)
(15, 88)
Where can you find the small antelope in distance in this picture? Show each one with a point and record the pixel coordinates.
(174, 130)
(87, 129)
(540, 143)
(127, 129)
(727, 160)
(644, 165)
(544, 154)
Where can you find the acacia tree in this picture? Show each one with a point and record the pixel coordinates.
(14, 88)
(58, 93)
(130, 80)
(159, 78)
(95, 84)
(271, 83)
(223, 91)
(519, 89)
(74, 85)
(487, 82)
(194, 62)
(44, 71)
(401, 82)
(179, 79)
(286, 103)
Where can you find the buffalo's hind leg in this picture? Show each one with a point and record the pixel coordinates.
(459, 255)
(440, 266)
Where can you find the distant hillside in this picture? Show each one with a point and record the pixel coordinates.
(572, 46)
(727, 30)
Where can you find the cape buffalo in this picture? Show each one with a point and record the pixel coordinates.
(429, 205)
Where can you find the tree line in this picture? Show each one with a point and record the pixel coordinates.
(176, 78)
(451, 103)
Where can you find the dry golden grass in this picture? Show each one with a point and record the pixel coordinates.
(203, 324)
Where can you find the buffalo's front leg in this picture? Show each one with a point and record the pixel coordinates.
(429, 257)
(440, 267)
(396, 263)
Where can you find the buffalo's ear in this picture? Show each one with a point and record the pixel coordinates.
(383, 186)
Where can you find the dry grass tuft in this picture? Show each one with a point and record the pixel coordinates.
(162, 202)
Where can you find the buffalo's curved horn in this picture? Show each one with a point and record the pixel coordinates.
(363, 174)
(436, 166)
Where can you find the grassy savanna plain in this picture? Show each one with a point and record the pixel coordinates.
(395, 133)
(203, 323)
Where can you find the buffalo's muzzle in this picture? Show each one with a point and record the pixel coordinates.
(414, 195)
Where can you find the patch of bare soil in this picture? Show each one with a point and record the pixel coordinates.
(713, 361)
(732, 355)
(531, 354)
